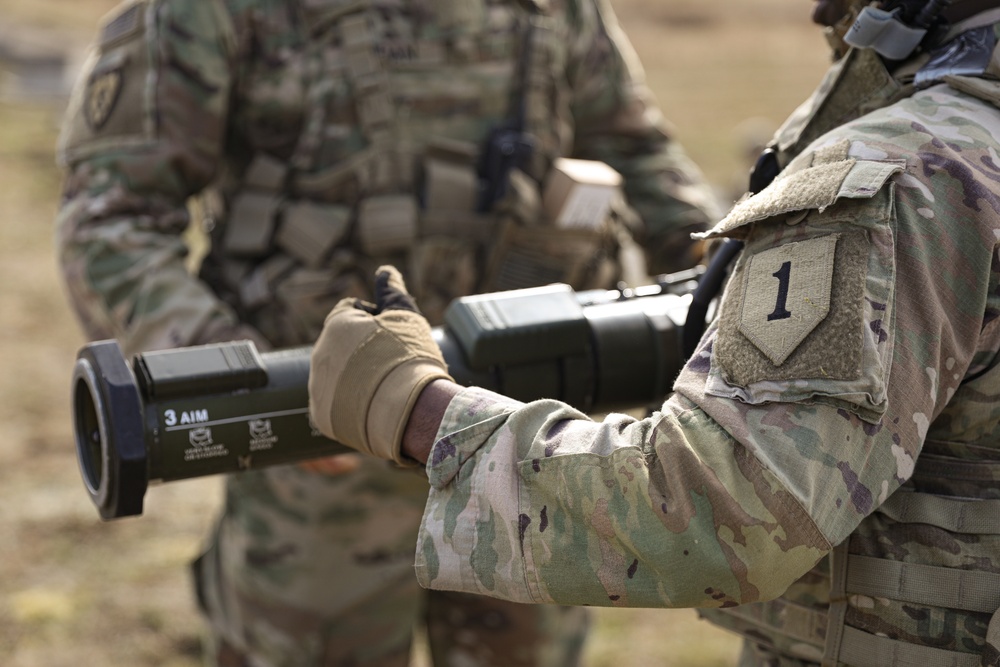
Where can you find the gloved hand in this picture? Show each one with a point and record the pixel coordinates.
(369, 366)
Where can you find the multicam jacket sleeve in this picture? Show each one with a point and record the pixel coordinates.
(862, 311)
(142, 135)
(617, 121)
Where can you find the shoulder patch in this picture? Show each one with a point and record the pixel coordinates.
(112, 102)
(786, 294)
(122, 26)
(795, 312)
(102, 94)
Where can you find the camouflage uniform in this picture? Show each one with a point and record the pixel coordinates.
(824, 480)
(318, 135)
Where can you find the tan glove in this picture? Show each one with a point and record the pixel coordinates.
(369, 366)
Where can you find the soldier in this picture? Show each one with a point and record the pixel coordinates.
(824, 478)
(324, 138)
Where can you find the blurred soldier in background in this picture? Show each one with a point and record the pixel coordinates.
(825, 480)
(323, 138)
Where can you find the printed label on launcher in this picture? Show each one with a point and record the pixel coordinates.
(261, 436)
(202, 445)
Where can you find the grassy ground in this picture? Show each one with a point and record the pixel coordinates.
(74, 591)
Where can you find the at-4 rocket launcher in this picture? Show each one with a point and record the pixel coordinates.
(225, 408)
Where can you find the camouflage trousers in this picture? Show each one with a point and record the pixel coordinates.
(307, 570)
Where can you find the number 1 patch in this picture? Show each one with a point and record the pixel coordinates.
(787, 294)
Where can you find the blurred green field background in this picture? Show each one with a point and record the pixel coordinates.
(74, 591)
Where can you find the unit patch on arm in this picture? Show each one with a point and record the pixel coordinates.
(102, 94)
(112, 106)
(795, 312)
(787, 293)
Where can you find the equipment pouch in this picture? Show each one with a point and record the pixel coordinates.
(265, 173)
(580, 193)
(304, 298)
(442, 268)
(387, 224)
(250, 224)
(531, 256)
(449, 186)
(308, 231)
(257, 288)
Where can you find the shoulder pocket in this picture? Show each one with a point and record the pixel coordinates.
(111, 103)
(830, 175)
(807, 313)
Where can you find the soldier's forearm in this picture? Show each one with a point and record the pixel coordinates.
(425, 418)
